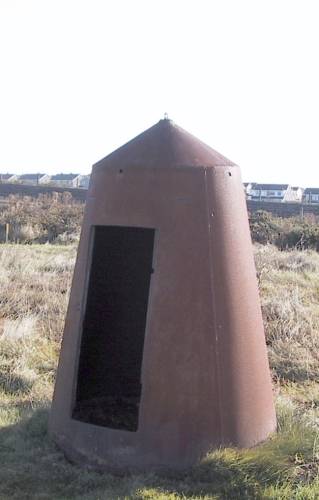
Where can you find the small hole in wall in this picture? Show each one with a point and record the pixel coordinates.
(121, 171)
(229, 173)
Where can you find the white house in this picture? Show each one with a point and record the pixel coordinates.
(84, 181)
(67, 180)
(296, 193)
(8, 178)
(311, 195)
(247, 189)
(33, 179)
(275, 192)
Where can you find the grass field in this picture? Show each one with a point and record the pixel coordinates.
(34, 288)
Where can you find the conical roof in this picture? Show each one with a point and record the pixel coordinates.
(163, 145)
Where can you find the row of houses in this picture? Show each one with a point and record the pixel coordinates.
(254, 191)
(60, 180)
(281, 193)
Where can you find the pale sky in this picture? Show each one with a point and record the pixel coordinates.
(81, 77)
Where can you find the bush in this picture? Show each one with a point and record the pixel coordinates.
(300, 234)
(42, 219)
(263, 227)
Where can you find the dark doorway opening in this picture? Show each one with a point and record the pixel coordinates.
(109, 375)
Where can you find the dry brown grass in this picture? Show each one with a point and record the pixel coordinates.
(34, 288)
(289, 285)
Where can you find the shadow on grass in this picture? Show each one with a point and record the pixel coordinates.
(289, 371)
(33, 468)
(13, 383)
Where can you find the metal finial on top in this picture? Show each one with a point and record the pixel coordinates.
(165, 116)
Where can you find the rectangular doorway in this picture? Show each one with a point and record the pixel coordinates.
(109, 387)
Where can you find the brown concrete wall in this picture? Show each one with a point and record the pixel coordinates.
(282, 209)
(205, 376)
(35, 191)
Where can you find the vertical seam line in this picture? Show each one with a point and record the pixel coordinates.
(215, 326)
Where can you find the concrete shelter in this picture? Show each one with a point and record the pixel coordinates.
(163, 355)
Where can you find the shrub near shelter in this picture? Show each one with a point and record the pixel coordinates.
(41, 219)
(294, 232)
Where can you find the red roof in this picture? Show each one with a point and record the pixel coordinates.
(165, 145)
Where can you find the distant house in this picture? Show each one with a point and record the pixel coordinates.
(67, 180)
(8, 178)
(84, 181)
(33, 179)
(247, 189)
(275, 192)
(296, 193)
(311, 195)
